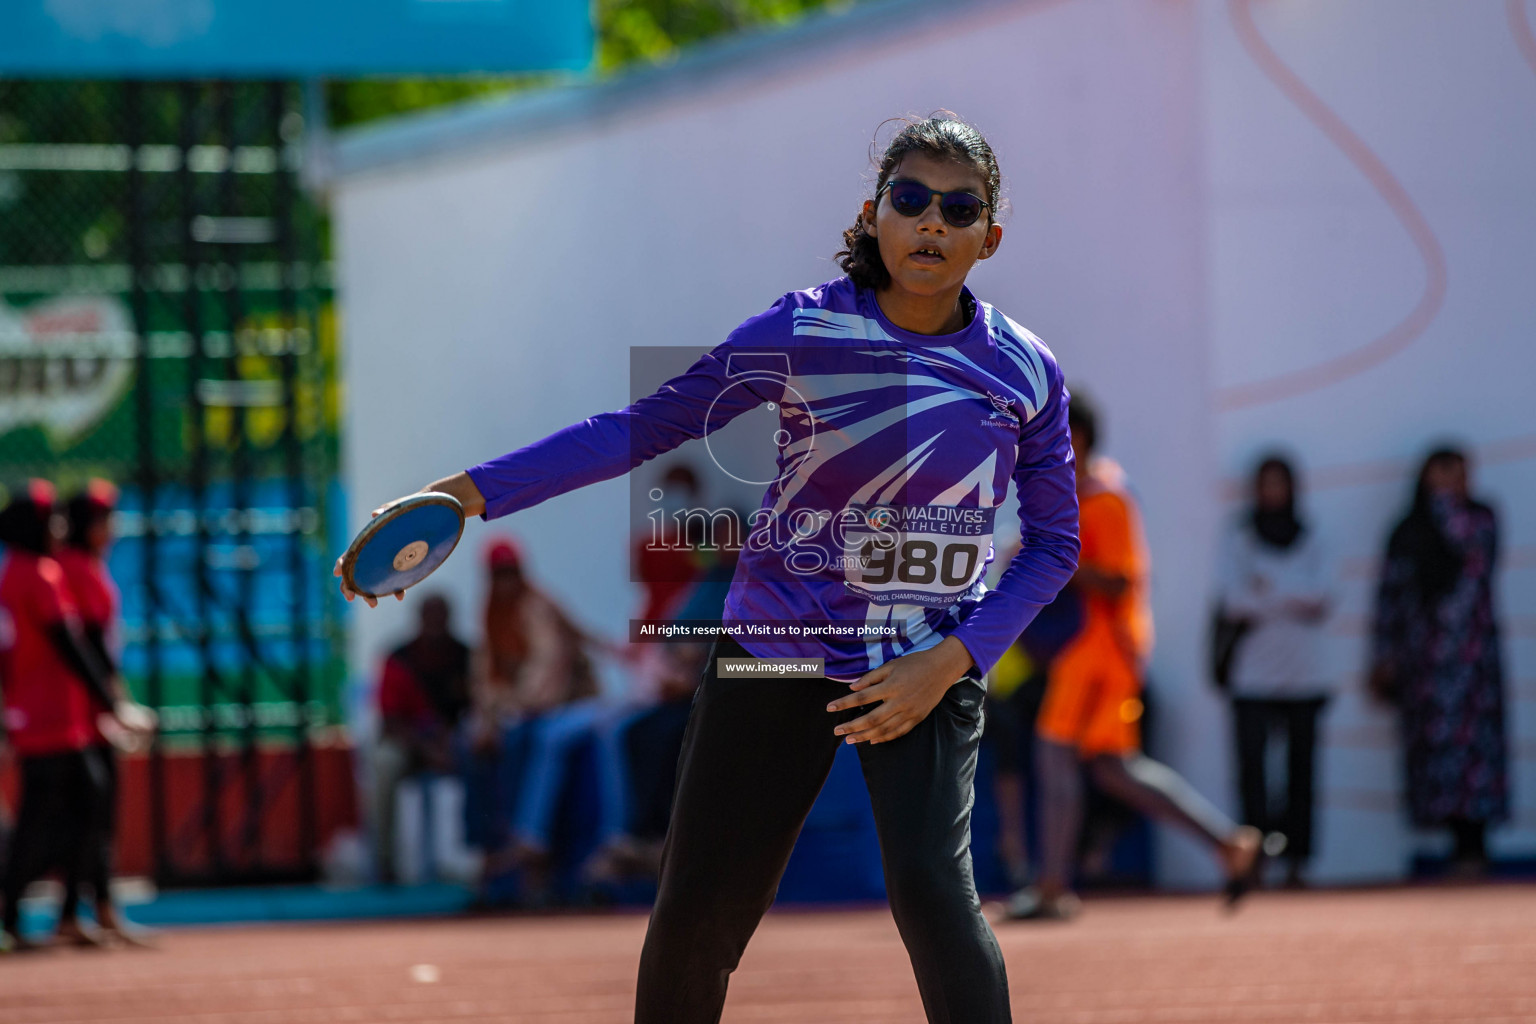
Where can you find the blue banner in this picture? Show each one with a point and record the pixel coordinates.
(290, 38)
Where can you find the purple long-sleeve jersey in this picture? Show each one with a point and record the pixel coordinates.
(894, 451)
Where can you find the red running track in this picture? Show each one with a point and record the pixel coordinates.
(1405, 955)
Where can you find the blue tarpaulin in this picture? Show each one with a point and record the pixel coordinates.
(290, 38)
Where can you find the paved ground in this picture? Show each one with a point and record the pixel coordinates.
(1413, 955)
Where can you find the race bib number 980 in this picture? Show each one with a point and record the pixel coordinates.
(916, 554)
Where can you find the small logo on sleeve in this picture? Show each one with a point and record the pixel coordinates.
(1002, 413)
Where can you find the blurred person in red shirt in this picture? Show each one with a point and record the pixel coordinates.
(55, 685)
(83, 559)
(664, 561)
(423, 694)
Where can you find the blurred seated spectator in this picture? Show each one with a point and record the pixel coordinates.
(423, 694)
(638, 751)
(533, 658)
(664, 564)
(533, 662)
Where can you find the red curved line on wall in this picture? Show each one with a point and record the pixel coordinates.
(1520, 26)
(1400, 336)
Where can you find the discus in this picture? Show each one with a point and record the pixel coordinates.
(403, 544)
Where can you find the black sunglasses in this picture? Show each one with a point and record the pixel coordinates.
(910, 198)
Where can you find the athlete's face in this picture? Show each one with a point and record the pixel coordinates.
(926, 255)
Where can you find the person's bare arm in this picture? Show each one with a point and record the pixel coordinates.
(460, 486)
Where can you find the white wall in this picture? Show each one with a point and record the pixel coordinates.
(1309, 262)
(1178, 229)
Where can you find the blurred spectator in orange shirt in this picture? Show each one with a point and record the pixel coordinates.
(1091, 715)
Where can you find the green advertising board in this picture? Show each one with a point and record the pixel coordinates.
(166, 323)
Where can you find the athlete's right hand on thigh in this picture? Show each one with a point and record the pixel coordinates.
(906, 688)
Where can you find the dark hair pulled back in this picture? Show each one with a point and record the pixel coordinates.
(946, 138)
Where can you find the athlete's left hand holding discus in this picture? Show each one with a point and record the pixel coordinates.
(907, 689)
(458, 486)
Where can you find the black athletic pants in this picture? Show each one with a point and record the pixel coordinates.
(1258, 721)
(59, 803)
(755, 755)
(95, 867)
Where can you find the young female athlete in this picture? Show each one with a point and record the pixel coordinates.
(905, 406)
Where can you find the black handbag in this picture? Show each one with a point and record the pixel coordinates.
(1227, 631)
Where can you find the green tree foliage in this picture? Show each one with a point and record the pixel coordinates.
(359, 100)
(58, 218)
(629, 32)
(78, 218)
(635, 31)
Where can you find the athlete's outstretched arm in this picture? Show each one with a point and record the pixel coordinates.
(612, 443)
(703, 399)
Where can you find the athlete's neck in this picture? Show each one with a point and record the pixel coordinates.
(924, 314)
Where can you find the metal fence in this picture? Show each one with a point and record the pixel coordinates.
(166, 323)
